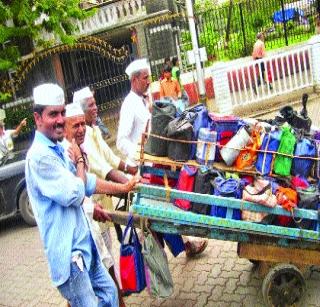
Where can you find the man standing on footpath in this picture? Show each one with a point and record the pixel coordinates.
(135, 115)
(56, 188)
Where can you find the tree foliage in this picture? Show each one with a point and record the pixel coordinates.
(25, 21)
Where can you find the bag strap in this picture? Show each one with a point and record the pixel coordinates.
(129, 226)
(266, 188)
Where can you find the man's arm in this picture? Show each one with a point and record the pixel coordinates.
(22, 124)
(112, 188)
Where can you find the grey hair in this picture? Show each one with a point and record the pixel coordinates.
(83, 104)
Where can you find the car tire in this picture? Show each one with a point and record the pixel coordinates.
(26, 209)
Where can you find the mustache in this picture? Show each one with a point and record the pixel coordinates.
(58, 126)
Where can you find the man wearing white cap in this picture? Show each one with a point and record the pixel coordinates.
(56, 188)
(135, 110)
(75, 128)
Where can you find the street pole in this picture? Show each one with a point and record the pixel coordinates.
(192, 28)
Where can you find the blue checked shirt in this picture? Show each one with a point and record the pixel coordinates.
(56, 196)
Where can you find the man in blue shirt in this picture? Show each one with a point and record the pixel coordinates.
(56, 188)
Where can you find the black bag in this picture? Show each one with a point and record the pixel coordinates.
(162, 113)
(308, 199)
(202, 185)
(180, 129)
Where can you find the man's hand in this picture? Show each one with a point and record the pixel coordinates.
(132, 170)
(130, 185)
(100, 215)
(74, 151)
(23, 123)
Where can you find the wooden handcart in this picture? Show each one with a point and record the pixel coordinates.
(281, 253)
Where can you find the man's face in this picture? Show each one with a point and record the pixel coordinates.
(51, 122)
(91, 112)
(141, 82)
(167, 75)
(76, 129)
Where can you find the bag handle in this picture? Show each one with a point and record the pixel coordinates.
(266, 188)
(133, 233)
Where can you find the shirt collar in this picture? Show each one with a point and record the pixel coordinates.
(57, 147)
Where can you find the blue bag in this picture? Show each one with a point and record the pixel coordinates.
(271, 142)
(132, 270)
(201, 121)
(302, 167)
(175, 243)
(231, 188)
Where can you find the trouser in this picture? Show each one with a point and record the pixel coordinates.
(89, 288)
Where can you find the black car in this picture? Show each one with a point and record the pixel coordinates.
(13, 192)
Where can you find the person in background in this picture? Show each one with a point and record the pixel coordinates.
(169, 87)
(258, 53)
(167, 62)
(175, 72)
(75, 129)
(103, 128)
(6, 142)
(56, 188)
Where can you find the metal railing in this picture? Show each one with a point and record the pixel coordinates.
(284, 72)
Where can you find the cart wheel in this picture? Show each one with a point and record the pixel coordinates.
(283, 286)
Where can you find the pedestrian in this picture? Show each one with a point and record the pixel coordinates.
(6, 135)
(134, 118)
(259, 53)
(169, 87)
(75, 128)
(56, 189)
(175, 71)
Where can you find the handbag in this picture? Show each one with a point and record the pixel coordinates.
(162, 113)
(231, 150)
(132, 271)
(248, 156)
(200, 114)
(185, 183)
(180, 129)
(282, 164)
(231, 188)
(271, 142)
(202, 185)
(308, 199)
(160, 280)
(206, 152)
(302, 167)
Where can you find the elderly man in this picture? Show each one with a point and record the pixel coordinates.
(75, 129)
(134, 118)
(56, 188)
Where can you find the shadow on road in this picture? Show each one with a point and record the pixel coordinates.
(12, 224)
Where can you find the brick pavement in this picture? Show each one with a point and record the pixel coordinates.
(216, 278)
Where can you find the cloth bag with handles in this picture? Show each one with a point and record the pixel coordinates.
(282, 164)
(231, 188)
(132, 271)
(163, 112)
(180, 129)
(271, 142)
(157, 267)
(304, 148)
(185, 183)
(199, 115)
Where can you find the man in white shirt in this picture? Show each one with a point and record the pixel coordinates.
(135, 110)
(135, 116)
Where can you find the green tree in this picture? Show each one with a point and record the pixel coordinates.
(24, 22)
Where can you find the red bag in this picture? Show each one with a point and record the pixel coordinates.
(186, 183)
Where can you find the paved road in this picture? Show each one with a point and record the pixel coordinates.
(217, 278)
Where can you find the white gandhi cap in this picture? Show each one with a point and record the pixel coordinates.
(136, 66)
(82, 94)
(73, 109)
(48, 94)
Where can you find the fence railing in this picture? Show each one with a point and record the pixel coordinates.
(274, 75)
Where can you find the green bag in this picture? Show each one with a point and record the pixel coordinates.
(282, 164)
(160, 282)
